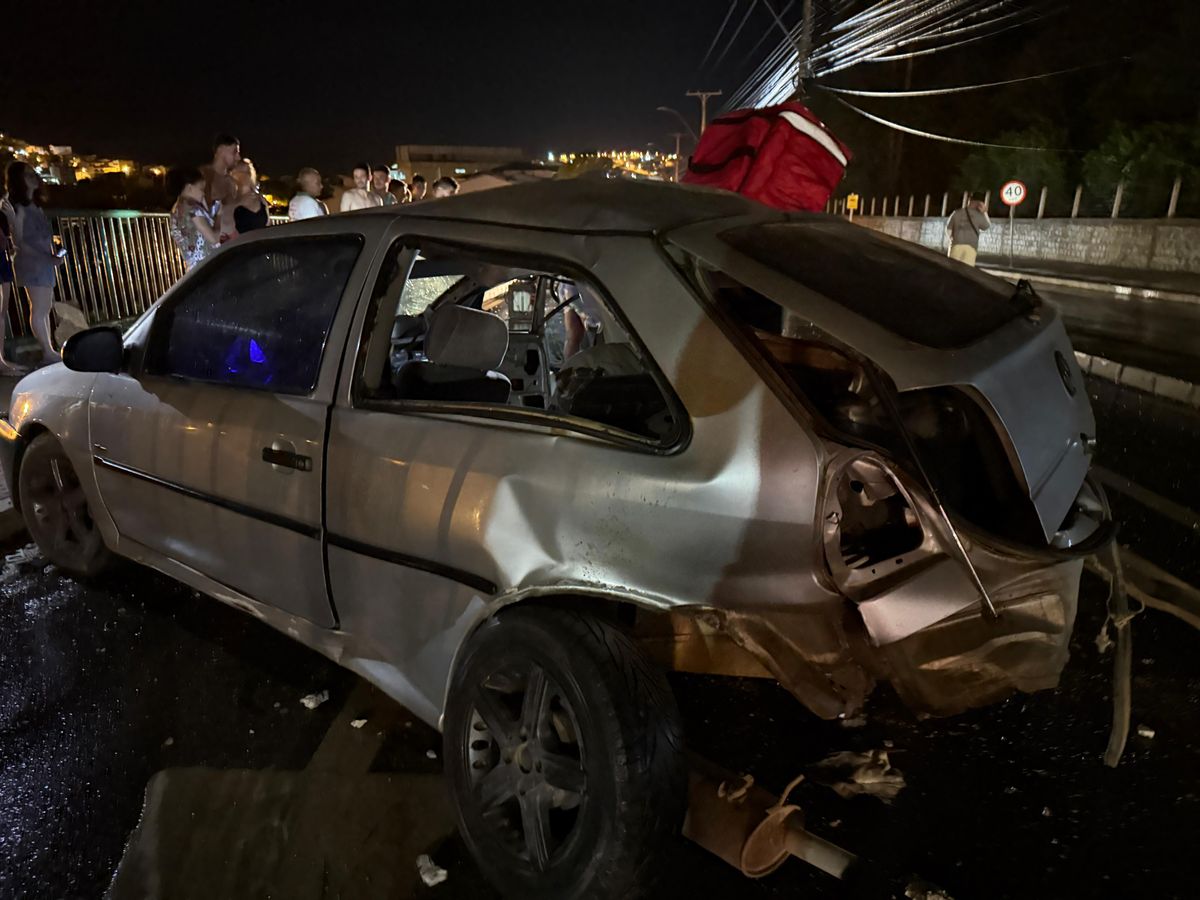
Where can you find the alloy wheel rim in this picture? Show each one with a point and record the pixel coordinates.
(526, 764)
(60, 511)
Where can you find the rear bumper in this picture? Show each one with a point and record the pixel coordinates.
(970, 660)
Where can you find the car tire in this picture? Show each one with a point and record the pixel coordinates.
(558, 726)
(56, 511)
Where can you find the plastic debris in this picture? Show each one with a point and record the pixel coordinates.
(868, 773)
(432, 754)
(312, 701)
(358, 723)
(27, 555)
(1145, 731)
(431, 873)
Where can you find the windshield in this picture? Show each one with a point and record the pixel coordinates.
(912, 293)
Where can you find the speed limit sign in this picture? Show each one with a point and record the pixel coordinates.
(1013, 193)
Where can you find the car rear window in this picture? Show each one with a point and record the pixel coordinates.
(909, 291)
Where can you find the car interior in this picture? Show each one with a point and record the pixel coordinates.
(467, 330)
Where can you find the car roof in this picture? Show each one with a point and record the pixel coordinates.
(585, 205)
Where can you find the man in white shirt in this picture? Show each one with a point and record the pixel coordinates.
(305, 204)
(359, 197)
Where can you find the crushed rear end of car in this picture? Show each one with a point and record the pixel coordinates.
(956, 435)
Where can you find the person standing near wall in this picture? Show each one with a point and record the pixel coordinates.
(36, 257)
(964, 227)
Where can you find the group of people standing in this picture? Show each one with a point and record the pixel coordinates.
(217, 202)
(222, 200)
(373, 186)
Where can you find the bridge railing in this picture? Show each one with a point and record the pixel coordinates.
(118, 263)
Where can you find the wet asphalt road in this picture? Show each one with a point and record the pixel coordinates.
(153, 744)
(1155, 335)
(138, 699)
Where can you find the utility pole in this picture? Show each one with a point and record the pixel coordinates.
(678, 135)
(806, 35)
(703, 95)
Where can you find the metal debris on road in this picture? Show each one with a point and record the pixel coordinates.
(312, 701)
(431, 873)
(358, 723)
(1145, 731)
(868, 773)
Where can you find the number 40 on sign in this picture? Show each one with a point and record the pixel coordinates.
(1013, 193)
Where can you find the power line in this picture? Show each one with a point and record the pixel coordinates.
(720, 31)
(944, 137)
(737, 32)
(934, 92)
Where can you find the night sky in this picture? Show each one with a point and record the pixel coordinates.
(328, 84)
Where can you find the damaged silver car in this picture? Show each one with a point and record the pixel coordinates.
(512, 456)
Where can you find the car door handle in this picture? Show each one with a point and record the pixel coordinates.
(281, 456)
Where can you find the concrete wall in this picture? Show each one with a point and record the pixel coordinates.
(1162, 245)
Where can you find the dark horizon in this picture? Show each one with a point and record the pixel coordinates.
(302, 87)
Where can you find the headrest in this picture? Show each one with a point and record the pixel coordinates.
(461, 336)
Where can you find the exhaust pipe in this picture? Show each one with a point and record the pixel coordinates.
(751, 829)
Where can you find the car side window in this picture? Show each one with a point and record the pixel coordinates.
(257, 316)
(506, 333)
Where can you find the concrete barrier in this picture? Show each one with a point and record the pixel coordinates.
(1153, 245)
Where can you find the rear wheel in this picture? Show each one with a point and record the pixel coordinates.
(56, 511)
(563, 748)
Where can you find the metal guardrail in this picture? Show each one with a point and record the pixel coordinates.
(118, 263)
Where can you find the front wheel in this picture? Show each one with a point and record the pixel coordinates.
(55, 509)
(564, 751)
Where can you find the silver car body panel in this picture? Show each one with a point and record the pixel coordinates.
(1014, 370)
(435, 518)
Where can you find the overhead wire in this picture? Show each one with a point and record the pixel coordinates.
(720, 31)
(943, 137)
(935, 92)
(737, 32)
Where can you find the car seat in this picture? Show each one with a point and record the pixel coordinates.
(463, 348)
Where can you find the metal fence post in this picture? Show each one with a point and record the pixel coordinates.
(945, 201)
(1116, 210)
(965, 196)
(872, 204)
(896, 208)
(1042, 202)
(1175, 188)
(885, 200)
(1075, 204)
(925, 214)
(910, 205)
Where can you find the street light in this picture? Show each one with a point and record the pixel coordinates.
(677, 114)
